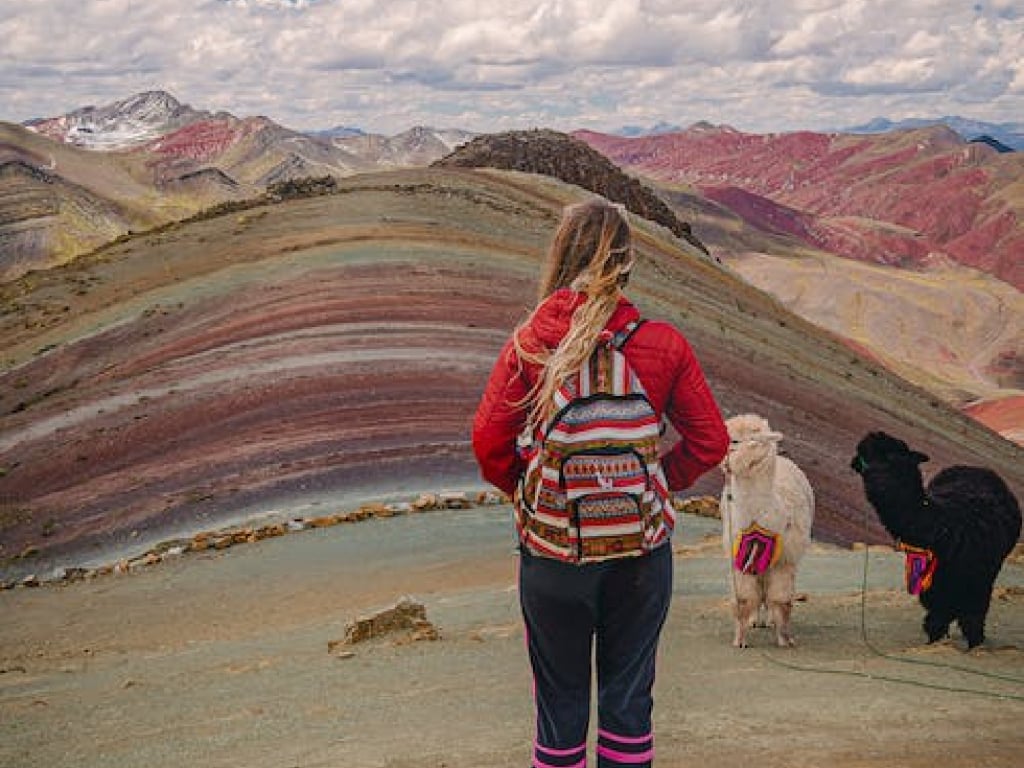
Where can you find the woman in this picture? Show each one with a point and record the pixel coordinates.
(622, 603)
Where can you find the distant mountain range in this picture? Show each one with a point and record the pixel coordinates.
(150, 114)
(654, 130)
(1010, 135)
(905, 198)
(139, 120)
(1003, 136)
(73, 182)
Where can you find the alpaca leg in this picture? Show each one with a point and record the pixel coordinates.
(972, 619)
(760, 617)
(936, 624)
(781, 583)
(973, 627)
(747, 599)
(938, 613)
(745, 610)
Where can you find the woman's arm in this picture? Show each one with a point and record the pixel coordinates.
(694, 414)
(499, 419)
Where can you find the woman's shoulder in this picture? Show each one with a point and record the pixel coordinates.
(660, 333)
(660, 346)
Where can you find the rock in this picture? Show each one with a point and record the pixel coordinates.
(454, 500)
(30, 581)
(565, 157)
(425, 502)
(76, 574)
(704, 506)
(270, 531)
(424, 630)
(492, 498)
(243, 536)
(407, 616)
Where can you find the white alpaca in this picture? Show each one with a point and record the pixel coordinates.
(767, 490)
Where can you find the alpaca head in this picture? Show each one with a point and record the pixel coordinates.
(753, 445)
(878, 451)
(892, 481)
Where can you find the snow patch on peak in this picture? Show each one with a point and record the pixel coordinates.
(121, 124)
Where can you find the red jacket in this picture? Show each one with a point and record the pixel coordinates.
(661, 357)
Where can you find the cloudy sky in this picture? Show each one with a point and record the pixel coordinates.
(486, 65)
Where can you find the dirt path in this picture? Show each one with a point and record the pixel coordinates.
(221, 660)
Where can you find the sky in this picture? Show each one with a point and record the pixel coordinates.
(489, 65)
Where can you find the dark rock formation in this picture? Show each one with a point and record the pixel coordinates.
(573, 161)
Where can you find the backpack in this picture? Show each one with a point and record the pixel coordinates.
(594, 488)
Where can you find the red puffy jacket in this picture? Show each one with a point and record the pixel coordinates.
(661, 357)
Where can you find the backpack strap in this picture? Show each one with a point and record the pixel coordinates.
(618, 340)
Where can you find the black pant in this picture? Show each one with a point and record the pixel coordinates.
(623, 603)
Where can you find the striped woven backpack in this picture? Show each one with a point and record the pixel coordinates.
(594, 488)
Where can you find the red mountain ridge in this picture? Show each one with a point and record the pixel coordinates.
(900, 198)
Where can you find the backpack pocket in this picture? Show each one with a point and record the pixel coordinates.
(604, 472)
(606, 492)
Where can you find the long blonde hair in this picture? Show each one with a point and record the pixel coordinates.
(591, 253)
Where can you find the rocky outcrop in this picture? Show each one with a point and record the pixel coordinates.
(407, 620)
(559, 155)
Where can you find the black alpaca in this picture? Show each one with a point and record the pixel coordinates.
(966, 516)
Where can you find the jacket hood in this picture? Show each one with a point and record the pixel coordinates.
(551, 319)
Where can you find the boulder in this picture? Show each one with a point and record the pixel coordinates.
(407, 619)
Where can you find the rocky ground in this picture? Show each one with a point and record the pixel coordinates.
(231, 657)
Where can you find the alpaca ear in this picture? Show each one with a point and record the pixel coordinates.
(775, 437)
(918, 457)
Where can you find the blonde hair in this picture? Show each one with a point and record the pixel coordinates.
(591, 253)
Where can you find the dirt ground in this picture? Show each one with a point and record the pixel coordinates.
(221, 659)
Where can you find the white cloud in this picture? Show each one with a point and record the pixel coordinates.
(385, 65)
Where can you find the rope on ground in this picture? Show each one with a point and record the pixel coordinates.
(888, 656)
(889, 678)
(922, 662)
